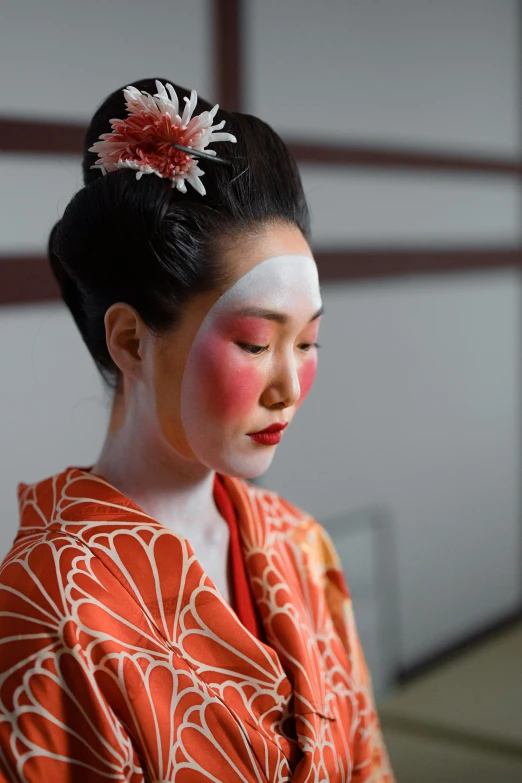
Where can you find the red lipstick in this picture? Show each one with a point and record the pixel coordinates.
(269, 436)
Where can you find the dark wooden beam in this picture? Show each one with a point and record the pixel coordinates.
(43, 136)
(366, 263)
(28, 279)
(228, 53)
(40, 136)
(354, 154)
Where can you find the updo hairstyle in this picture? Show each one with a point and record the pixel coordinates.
(145, 243)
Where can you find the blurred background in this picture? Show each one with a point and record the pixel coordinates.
(405, 118)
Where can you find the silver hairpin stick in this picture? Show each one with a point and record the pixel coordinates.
(199, 154)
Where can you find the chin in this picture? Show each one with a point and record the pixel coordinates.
(244, 466)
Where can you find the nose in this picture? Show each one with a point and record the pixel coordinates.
(284, 388)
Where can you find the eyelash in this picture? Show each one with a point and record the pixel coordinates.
(262, 348)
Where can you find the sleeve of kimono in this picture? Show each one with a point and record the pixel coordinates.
(370, 751)
(55, 724)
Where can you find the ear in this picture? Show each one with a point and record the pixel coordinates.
(126, 335)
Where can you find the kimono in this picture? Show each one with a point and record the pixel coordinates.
(120, 660)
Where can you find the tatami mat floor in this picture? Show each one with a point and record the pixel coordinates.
(463, 721)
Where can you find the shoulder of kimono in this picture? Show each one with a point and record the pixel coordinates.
(277, 510)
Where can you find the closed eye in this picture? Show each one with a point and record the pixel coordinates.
(253, 349)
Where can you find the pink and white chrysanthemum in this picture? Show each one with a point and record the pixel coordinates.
(143, 141)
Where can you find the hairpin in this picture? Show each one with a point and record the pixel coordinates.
(154, 139)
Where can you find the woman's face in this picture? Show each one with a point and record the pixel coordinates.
(243, 358)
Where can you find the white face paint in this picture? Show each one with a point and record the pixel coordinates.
(229, 389)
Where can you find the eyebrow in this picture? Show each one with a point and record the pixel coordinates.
(272, 315)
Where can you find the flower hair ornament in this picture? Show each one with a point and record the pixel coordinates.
(155, 139)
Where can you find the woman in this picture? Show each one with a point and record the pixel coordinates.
(163, 619)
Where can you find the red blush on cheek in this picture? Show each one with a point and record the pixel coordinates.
(229, 385)
(306, 377)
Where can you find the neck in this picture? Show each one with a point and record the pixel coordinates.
(172, 489)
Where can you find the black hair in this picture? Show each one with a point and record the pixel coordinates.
(145, 243)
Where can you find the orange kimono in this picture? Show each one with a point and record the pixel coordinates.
(120, 661)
